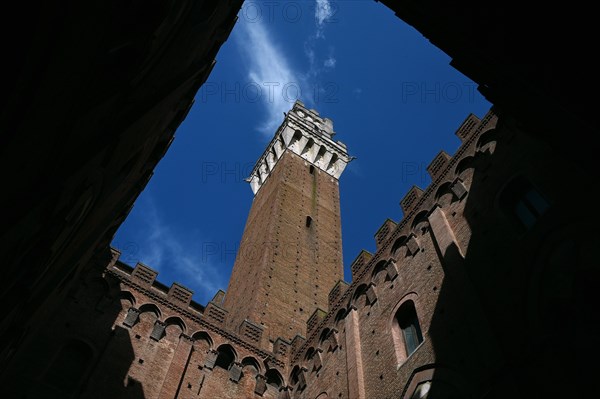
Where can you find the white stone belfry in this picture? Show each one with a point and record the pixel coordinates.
(308, 135)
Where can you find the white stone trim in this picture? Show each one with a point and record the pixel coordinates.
(307, 135)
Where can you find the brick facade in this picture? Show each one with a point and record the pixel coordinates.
(482, 290)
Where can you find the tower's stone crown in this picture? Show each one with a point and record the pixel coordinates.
(308, 135)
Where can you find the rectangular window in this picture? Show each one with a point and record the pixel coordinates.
(524, 214)
(521, 201)
(536, 202)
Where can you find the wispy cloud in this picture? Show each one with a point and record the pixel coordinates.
(330, 62)
(268, 69)
(167, 250)
(323, 13)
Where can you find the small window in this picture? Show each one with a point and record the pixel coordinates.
(311, 170)
(409, 324)
(308, 221)
(523, 203)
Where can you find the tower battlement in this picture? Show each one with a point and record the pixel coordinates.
(307, 135)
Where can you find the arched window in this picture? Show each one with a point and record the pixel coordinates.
(150, 308)
(324, 336)
(274, 379)
(69, 367)
(202, 339)
(226, 357)
(379, 274)
(250, 366)
(487, 141)
(398, 245)
(523, 203)
(407, 320)
(359, 299)
(297, 379)
(176, 321)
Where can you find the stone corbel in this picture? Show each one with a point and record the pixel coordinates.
(317, 359)
(235, 372)
(211, 359)
(413, 245)
(133, 316)
(459, 189)
(261, 385)
(158, 331)
(391, 269)
(371, 295)
(333, 339)
(284, 393)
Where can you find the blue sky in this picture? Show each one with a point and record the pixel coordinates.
(393, 98)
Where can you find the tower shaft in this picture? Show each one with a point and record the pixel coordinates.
(290, 255)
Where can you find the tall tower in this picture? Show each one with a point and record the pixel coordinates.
(290, 255)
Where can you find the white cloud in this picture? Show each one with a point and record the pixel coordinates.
(309, 51)
(323, 13)
(269, 70)
(330, 62)
(163, 248)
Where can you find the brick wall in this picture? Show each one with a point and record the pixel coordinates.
(285, 267)
(488, 294)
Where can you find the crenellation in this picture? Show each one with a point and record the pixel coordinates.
(297, 344)
(219, 297)
(144, 274)
(281, 347)
(215, 313)
(411, 199)
(179, 293)
(438, 164)
(467, 127)
(252, 331)
(360, 261)
(384, 231)
(314, 320)
(336, 292)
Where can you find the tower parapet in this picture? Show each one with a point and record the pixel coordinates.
(308, 135)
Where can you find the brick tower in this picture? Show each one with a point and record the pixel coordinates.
(290, 254)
